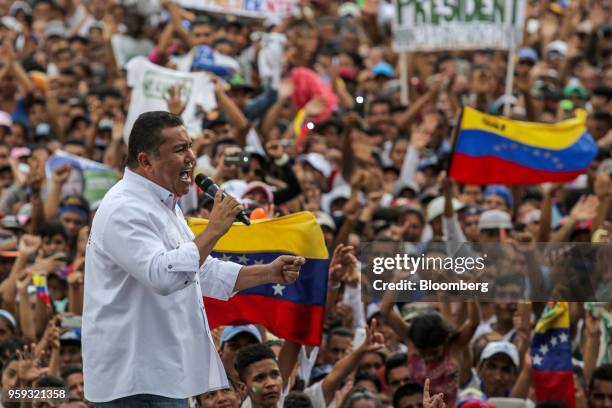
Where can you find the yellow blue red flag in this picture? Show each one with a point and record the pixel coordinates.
(294, 312)
(551, 356)
(495, 150)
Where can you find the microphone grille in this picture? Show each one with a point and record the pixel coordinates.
(203, 181)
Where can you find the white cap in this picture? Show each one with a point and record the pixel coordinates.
(494, 219)
(235, 188)
(317, 161)
(501, 347)
(557, 46)
(325, 220)
(436, 207)
(341, 191)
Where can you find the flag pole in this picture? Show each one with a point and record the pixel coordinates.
(454, 138)
(509, 78)
(403, 66)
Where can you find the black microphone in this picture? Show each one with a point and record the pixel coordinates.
(209, 187)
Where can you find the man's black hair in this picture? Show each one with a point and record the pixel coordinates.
(250, 355)
(68, 72)
(202, 20)
(396, 360)
(225, 141)
(428, 330)
(381, 101)
(363, 375)
(71, 369)
(509, 279)
(146, 134)
(109, 92)
(406, 390)
(51, 381)
(552, 404)
(601, 373)
(339, 331)
(51, 229)
(297, 400)
(603, 116)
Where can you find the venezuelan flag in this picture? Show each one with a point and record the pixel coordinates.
(551, 356)
(294, 312)
(494, 150)
(40, 283)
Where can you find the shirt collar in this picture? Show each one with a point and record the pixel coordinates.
(164, 196)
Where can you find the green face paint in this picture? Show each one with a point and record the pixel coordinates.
(256, 389)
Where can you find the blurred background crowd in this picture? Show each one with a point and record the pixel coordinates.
(306, 115)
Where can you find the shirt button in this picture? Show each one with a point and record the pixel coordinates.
(169, 266)
(186, 282)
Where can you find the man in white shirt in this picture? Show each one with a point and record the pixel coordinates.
(145, 335)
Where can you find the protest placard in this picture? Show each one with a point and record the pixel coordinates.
(430, 25)
(245, 8)
(90, 178)
(150, 84)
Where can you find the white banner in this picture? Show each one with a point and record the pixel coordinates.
(150, 85)
(245, 8)
(436, 25)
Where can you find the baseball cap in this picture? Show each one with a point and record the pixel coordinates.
(470, 395)
(349, 10)
(261, 186)
(499, 190)
(20, 152)
(8, 316)
(383, 69)
(42, 131)
(5, 119)
(11, 222)
(494, 219)
(317, 161)
(528, 53)
(575, 88)
(235, 187)
(75, 203)
(557, 46)
(436, 207)
(325, 220)
(500, 347)
(402, 185)
(229, 332)
(72, 336)
(55, 28)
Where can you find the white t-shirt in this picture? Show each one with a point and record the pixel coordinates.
(150, 84)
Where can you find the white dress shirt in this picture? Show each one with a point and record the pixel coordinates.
(144, 325)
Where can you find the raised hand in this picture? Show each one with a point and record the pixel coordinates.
(286, 269)
(174, 101)
(436, 401)
(29, 244)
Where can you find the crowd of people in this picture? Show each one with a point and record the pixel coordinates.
(370, 168)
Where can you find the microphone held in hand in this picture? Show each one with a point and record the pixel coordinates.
(209, 187)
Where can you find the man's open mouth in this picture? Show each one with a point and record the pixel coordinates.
(185, 175)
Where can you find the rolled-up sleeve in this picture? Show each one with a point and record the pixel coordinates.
(130, 241)
(218, 278)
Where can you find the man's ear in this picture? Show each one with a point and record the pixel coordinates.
(144, 161)
(242, 389)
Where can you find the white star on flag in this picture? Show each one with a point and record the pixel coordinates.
(563, 337)
(226, 258)
(260, 262)
(243, 259)
(553, 341)
(543, 349)
(278, 289)
(537, 360)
